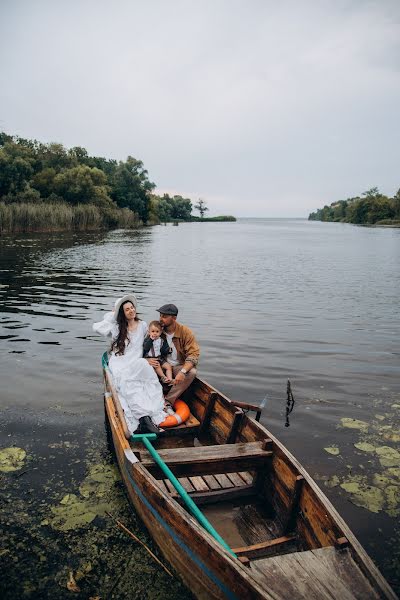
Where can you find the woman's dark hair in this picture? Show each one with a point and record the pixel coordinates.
(122, 340)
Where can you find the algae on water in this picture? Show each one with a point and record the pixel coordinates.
(95, 499)
(354, 424)
(332, 450)
(379, 491)
(12, 459)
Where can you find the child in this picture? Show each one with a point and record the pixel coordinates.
(154, 346)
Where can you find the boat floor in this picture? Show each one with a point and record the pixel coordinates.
(248, 524)
(320, 574)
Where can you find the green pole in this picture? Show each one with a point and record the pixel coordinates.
(146, 439)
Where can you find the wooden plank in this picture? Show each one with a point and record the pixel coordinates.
(237, 419)
(211, 482)
(199, 484)
(210, 403)
(189, 427)
(184, 481)
(236, 479)
(207, 565)
(322, 574)
(224, 481)
(222, 495)
(265, 548)
(317, 518)
(207, 460)
(247, 477)
(294, 505)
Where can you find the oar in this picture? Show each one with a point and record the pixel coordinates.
(146, 439)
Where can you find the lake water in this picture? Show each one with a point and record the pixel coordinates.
(268, 299)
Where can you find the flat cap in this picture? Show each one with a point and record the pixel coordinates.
(168, 309)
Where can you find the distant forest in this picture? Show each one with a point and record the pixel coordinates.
(371, 208)
(46, 187)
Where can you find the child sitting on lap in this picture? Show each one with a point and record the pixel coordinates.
(154, 346)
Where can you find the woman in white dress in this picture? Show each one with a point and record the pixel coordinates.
(136, 382)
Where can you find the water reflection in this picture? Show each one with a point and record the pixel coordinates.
(269, 300)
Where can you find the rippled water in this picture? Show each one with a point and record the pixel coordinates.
(267, 299)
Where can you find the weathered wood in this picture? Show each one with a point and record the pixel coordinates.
(247, 477)
(323, 574)
(264, 548)
(294, 505)
(245, 561)
(189, 428)
(224, 481)
(237, 419)
(208, 460)
(199, 484)
(206, 556)
(211, 482)
(210, 403)
(221, 495)
(245, 405)
(275, 578)
(117, 405)
(267, 444)
(235, 478)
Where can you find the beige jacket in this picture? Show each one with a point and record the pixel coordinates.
(186, 345)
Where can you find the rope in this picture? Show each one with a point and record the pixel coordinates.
(289, 403)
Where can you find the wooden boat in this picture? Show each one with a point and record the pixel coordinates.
(284, 538)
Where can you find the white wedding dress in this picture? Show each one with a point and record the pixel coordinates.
(136, 382)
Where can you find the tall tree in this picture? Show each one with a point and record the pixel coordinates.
(201, 207)
(131, 187)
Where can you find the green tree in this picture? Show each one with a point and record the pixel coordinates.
(44, 181)
(201, 207)
(131, 187)
(180, 208)
(396, 205)
(83, 185)
(15, 173)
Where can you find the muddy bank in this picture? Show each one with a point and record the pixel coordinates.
(58, 481)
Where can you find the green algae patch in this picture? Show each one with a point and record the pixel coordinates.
(332, 481)
(332, 450)
(12, 459)
(394, 472)
(367, 496)
(94, 501)
(388, 457)
(392, 493)
(355, 424)
(382, 480)
(365, 447)
(392, 436)
(99, 481)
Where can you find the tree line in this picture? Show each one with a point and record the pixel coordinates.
(119, 193)
(370, 208)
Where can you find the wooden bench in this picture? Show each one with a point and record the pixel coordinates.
(207, 460)
(209, 489)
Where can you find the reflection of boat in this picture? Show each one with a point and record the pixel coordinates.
(283, 538)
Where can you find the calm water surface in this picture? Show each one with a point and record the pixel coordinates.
(268, 300)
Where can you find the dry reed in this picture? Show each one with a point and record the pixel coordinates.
(24, 217)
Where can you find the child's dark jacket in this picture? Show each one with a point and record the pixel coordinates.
(164, 350)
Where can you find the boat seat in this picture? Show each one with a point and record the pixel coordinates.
(188, 428)
(207, 460)
(209, 489)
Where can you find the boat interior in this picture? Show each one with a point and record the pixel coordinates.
(253, 493)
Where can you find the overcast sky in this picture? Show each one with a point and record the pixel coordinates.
(260, 108)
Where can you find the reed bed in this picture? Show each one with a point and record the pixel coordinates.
(25, 217)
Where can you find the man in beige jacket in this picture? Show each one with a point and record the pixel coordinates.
(184, 351)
